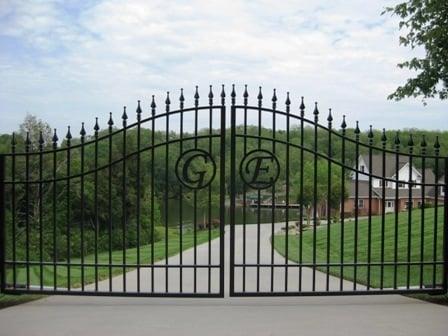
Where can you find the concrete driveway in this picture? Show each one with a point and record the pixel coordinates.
(348, 315)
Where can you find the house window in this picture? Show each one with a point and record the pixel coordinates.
(419, 204)
(386, 183)
(408, 205)
(401, 185)
(360, 203)
(390, 204)
(363, 168)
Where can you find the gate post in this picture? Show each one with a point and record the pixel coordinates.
(445, 230)
(2, 225)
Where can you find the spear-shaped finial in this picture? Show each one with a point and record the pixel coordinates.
(13, 139)
(138, 110)
(245, 94)
(124, 116)
(55, 139)
(287, 101)
(167, 101)
(370, 134)
(68, 136)
(357, 130)
(210, 96)
(82, 132)
(344, 124)
(397, 139)
(411, 141)
(437, 145)
(329, 118)
(383, 137)
(423, 144)
(302, 107)
(41, 141)
(111, 121)
(153, 106)
(196, 97)
(28, 140)
(316, 112)
(96, 128)
(260, 95)
(223, 95)
(181, 99)
(274, 99)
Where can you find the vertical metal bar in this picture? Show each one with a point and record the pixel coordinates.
(383, 206)
(436, 212)
(41, 248)
(54, 207)
(274, 106)
(329, 185)
(341, 246)
(181, 135)
(288, 120)
(96, 128)
(260, 102)
(422, 202)
(445, 231)
(13, 209)
(222, 196)
(410, 206)
(302, 116)
(396, 208)
(138, 191)
(27, 210)
(109, 201)
(369, 220)
(83, 133)
(246, 95)
(232, 190)
(316, 116)
(209, 275)
(195, 196)
(68, 209)
(153, 114)
(167, 138)
(355, 239)
(124, 200)
(2, 225)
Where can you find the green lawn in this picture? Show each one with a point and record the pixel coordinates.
(376, 235)
(103, 257)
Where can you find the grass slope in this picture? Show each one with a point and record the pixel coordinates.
(349, 245)
(103, 257)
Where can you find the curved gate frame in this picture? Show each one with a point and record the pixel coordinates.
(7, 194)
(331, 134)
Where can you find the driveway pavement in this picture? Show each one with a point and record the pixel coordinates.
(347, 315)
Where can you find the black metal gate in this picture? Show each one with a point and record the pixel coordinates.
(140, 210)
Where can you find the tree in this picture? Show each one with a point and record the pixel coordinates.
(321, 191)
(425, 23)
(34, 126)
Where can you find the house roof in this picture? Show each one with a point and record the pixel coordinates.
(390, 163)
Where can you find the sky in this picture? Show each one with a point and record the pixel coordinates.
(71, 61)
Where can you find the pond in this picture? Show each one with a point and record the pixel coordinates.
(251, 214)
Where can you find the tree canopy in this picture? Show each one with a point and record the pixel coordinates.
(424, 23)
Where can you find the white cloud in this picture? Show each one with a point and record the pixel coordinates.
(81, 62)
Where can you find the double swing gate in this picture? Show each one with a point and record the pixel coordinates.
(144, 208)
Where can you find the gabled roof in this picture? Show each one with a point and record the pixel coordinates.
(390, 163)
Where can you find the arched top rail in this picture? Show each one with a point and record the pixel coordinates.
(339, 132)
(336, 132)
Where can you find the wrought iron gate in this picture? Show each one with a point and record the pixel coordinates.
(135, 210)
